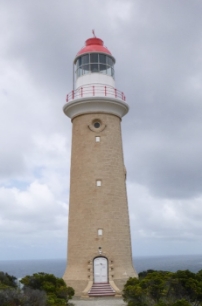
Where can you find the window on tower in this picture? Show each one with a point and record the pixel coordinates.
(96, 124)
(94, 62)
(99, 183)
(100, 232)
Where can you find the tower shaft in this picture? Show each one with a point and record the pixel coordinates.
(93, 208)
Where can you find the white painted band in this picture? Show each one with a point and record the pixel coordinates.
(95, 105)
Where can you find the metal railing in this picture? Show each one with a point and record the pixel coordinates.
(95, 90)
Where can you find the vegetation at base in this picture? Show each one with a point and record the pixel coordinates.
(58, 294)
(162, 288)
(40, 289)
(7, 281)
(17, 297)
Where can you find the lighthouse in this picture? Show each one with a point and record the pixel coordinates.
(99, 259)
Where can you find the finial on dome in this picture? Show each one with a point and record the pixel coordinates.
(93, 33)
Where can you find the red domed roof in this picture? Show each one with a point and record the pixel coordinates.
(94, 44)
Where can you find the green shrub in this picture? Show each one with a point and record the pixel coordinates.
(162, 288)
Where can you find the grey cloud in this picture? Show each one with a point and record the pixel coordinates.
(157, 46)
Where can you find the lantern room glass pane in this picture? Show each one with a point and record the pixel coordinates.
(103, 68)
(79, 72)
(94, 57)
(85, 59)
(102, 58)
(109, 70)
(79, 62)
(110, 62)
(94, 67)
(86, 68)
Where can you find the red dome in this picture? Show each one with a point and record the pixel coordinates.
(94, 44)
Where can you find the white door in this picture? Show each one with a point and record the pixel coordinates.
(100, 270)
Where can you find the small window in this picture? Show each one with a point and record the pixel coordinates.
(96, 124)
(100, 232)
(97, 138)
(98, 183)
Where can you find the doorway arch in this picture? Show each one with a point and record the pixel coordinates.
(100, 268)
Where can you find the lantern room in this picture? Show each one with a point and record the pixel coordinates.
(94, 64)
(93, 83)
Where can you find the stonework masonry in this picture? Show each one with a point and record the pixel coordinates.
(93, 207)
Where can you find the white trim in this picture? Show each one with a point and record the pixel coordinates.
(95, 78)
(95, 105)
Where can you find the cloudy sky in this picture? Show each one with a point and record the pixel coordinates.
(158, 49)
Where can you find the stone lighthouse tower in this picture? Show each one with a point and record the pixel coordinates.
(99, 243)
